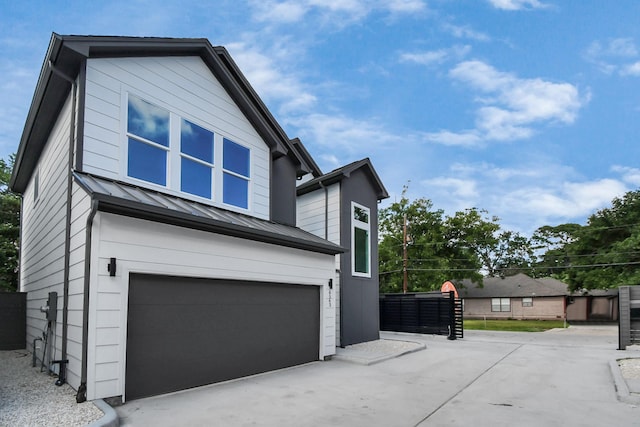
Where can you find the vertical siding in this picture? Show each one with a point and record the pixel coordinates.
(324, 221)
(183, 85)
(146, 247)
(43, 232)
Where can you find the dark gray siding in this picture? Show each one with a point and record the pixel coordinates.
(360, 320)
(283, 191)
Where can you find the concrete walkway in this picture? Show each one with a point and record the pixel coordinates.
(555, 378)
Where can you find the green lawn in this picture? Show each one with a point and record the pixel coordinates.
(513, 325)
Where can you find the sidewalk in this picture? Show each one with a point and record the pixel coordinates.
(487, 378)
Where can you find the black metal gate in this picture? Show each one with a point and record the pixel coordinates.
(423, 313)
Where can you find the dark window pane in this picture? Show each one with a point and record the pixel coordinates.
(148, 121)
(360, 214)
(361, 247)
(147, 162)
(235, 191)
(236, 158)
(195, 178)
(196, 141)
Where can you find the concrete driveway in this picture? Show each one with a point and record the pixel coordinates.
(555, 378)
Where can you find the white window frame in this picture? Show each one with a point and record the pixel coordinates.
(503, 305)
(527, 301)
(174, 156)
(366, 226)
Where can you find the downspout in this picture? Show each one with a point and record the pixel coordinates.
(82, 390)
(67, 234)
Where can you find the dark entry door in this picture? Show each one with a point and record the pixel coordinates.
(187, 332)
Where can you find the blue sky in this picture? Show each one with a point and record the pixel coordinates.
(529, 109)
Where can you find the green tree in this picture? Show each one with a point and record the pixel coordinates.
(431, 258)
(9, 229)
(606, 252)
(553, 243)
(500, 252)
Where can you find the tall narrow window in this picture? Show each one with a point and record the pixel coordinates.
(196, 159)
(360, 241)
(235, 179)
(148, 141)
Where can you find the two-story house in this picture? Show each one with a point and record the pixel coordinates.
(159, 204)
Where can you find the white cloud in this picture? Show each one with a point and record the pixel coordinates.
(631, 69)
(462, 188)
(336, 11)
(465, 32)
(614, 56)
(269, 80)
(461, 139)
(628, 174)
(436, 56)
(517, 4)
(571, 200)
(512, 106)
(343, 133)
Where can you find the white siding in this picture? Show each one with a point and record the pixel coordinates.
(316, 212)
(43, 233)
(183, 85)
(80, 207)
(146, 247)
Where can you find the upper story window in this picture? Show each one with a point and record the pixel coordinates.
(360, 241)
(236, 174)
(196, 162)
(171, 151)
(148, 138)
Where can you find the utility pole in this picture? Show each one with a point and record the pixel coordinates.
(404, 255)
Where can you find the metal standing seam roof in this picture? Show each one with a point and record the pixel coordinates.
(126, 199)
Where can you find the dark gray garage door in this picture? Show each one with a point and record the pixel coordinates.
(186, 332)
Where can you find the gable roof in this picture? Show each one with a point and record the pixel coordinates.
(516, 286)
(64, 60)
(343, 172)
(133, 201)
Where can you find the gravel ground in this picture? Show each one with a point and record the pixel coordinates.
(29, 397)
(630, 368)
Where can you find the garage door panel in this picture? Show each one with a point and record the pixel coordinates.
(185, 332)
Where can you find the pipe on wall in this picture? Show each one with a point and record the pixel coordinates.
(81, 396)
(67, 234)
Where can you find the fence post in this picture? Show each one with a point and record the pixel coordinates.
(452, 316)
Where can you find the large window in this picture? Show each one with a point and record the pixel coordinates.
(360, 241)
(501, 304)
(168, 150)
(148, 134)
(196, 163)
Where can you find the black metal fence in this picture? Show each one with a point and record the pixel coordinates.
(423, 313)
(13, 320)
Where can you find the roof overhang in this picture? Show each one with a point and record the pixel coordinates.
(136, 202)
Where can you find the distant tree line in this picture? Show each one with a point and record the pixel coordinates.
(471, 244)
(9, 229)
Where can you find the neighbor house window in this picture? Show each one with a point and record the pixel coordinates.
(166, 149)
(360, 240)
(501, 304)
(527, 302)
